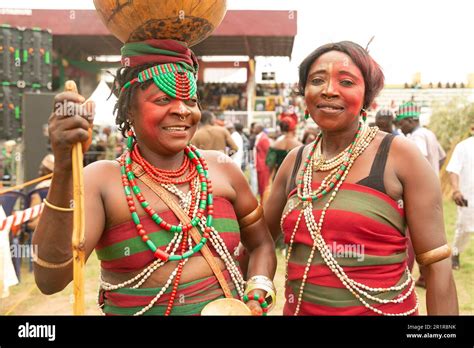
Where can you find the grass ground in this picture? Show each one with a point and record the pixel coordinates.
(26, 299)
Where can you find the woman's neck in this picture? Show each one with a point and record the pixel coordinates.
(166, 162)
(335, 142)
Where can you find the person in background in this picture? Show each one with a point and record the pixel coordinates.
(251, 159)
(46, 167)
(409, 121)
(238, 137)
(8, 160)
(262, 145)
(252, 137)
(93, 152)
(284, 144)
(461, 175)
(310, 135)
(246, 159)
(212, 137)
(384, 120)
(111, 143)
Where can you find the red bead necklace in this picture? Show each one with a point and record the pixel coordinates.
(166, 176)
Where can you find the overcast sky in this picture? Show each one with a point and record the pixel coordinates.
(434, 37)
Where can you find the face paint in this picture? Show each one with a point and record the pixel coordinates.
(182, 109)
(162, 123)
(334, 92)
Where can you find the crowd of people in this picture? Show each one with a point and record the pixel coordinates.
(223, 96)
(201, 205)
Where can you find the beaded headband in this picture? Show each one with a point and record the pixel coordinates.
(172, 78)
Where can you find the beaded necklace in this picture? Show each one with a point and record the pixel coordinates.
(205, 203)
(323, 190)
(328, 164)
(306, 196)
(201, 214)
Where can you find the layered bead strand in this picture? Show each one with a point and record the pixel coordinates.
(206, 197)
(323, 190)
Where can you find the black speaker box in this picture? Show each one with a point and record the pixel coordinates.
(10, 112)
(10, 54)
(37, 47)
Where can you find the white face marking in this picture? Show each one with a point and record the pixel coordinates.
(182, 108)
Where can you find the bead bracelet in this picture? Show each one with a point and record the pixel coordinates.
(260, 300)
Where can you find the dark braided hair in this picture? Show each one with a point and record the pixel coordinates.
(127, 97)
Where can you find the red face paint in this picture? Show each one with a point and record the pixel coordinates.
(334, 92)
(163, 124)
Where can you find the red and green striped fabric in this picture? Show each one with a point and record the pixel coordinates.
(365, 230)
(121, 249)
(159, 51)
(190, 300)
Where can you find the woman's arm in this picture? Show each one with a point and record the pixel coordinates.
(276, 202)
(53, 234)
(424, 214)
(255, 237)
(52, 238)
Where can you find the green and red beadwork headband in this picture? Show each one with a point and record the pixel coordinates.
(171, 78)
(176, 69)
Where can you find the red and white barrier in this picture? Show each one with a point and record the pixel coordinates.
(20, 217)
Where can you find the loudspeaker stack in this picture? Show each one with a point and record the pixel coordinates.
(25, 66)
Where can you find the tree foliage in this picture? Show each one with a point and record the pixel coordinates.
(450, 122)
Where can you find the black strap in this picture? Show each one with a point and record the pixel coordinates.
(376, 175)
(299, 156)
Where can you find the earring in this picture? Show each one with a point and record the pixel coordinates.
(306, 114)
(130, 139)
(363, 113)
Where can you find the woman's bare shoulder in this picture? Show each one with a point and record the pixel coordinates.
(407, 159)
(212, 156)
(404, 148)
(100, 172)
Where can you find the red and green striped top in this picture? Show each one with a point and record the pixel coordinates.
(365, 230)
(121, 250)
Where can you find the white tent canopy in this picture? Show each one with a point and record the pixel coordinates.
(104, 106)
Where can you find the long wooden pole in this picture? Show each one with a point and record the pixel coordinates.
(78, 233)
(28, 183)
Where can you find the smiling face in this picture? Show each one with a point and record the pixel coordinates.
(334, 91)
(163, 124)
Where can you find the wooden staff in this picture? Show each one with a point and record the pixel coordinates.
(78, 232)
(31, 182)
